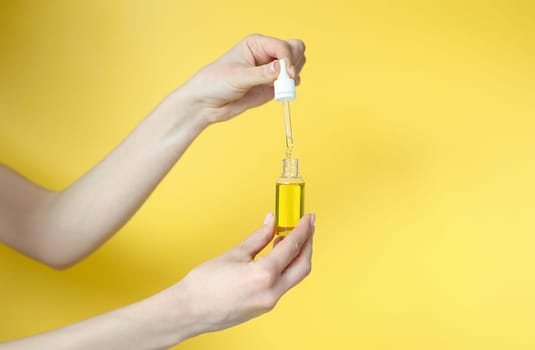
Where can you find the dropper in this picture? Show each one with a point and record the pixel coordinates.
(288, 128)
(285, 92)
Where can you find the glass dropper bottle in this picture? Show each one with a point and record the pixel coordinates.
(290, 187)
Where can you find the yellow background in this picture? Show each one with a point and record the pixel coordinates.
(414, 125)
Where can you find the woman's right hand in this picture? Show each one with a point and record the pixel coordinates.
(242, 78)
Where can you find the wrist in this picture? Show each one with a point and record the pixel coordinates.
(206, 110)
(182, 109)
(177, 320)
(163, 319)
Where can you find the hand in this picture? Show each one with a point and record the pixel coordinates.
(242, 78)
(234, 288)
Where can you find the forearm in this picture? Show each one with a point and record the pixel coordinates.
(81, 217)
(149, 324)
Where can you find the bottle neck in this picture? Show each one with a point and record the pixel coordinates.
(290, 168)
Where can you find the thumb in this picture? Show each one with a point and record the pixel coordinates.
(259, 239)
(258, 75)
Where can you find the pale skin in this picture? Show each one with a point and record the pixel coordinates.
(61, 228)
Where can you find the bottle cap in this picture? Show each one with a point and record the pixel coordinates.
(284, 85)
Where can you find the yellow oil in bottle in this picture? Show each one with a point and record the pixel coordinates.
(289, 198)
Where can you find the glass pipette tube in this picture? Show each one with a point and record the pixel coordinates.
(288, 128)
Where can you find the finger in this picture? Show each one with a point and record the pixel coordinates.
(285, 251)
(248, 77)
(298, 269)
(264, 49)
(253, 98)
(277, 240)
(263, 56)
(298, 68)
(298, 47)
(259, 239)
(300, 64)
(298, 51)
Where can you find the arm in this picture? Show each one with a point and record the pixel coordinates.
(61, 228)
(220, 293)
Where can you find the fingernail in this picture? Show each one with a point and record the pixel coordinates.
(291, 71)
(268, 218)
(273, 67)
(312, 219)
